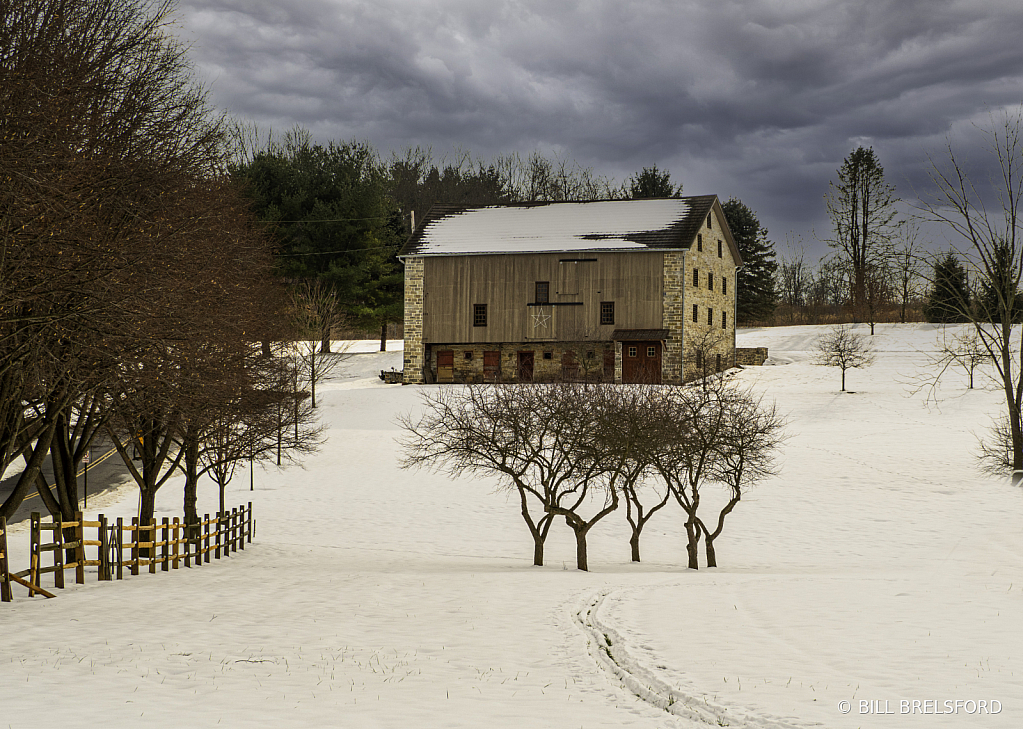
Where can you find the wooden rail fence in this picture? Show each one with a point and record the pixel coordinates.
(119, 546)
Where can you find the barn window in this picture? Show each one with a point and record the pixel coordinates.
(607, 312)
(724, 319)
(468, 355)
(479, 315)
(651, 351)
(710, 317)
(548, 355)
(724, 285)
(633, 351)
(696, 313)
(708, 221)
(543, 292)
(710, 281)
(720, 250)
(696, 277)
(699, 241)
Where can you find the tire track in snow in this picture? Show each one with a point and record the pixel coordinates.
(607, 647)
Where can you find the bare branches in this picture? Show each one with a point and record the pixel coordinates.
(577, 450)
(843, 348)
(987, 222)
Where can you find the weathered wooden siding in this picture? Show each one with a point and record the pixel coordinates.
(506, 284)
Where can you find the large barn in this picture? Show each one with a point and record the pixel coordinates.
(622, 290)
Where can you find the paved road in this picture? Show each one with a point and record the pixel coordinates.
(106, 472)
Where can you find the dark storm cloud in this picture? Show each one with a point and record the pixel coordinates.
(759, 99)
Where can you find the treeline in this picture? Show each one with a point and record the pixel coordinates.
(135, 283)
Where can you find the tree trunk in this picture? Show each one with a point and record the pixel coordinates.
(708, 545)
(634, 543)
(693, 543)
(191, 486)
(383, 337)
(325, 342)
(580, 550)
(843, 380)
(264, 348)
(147, 508)
(537, 550)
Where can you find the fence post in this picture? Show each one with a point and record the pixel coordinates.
(80, 549)
(152, 548)
(186, 543)
(58, 552)
(249, 530)
(5, 580)
(134, 546)
(119, 547)
(165, 545)
(174, 550)
(206, 538)
(220, 521)
(104, 549)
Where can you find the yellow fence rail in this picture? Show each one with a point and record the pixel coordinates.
(119, 547)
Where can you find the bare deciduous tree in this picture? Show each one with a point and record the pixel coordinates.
(992, 246)
(842, 347)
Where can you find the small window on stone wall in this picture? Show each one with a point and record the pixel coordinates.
(724, 319)
(696, 277)
(710, 317)
(699, 241)
(696, 313)
(468, 355)
(708, 220)
(724, 285)
(548, 355)
(710, 281)
(720, 250)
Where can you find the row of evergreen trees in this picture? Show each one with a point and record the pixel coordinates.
(952, 296)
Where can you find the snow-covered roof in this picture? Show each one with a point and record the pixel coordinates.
(605, 225)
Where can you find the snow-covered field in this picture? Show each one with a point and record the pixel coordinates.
(878, 567)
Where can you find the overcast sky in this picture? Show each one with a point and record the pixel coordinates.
(757, 99)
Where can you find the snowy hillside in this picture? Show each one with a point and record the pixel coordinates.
(879, 566)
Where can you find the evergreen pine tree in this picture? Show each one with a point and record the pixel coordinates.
(998, 292)
(651, 182)
(756, 296)
(950, 294)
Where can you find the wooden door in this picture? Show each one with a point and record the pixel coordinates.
(446, 365)
(525, 366)
(569, 367)
(491, 366)
(641, 362)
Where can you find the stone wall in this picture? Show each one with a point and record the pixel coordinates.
(547, 360)
(750, 356)
(673, 317)
(705, 340)
(414, 360)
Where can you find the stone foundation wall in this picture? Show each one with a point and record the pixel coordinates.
(589, 356)
(750, 356)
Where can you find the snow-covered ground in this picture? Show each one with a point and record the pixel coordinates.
(878, 567)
